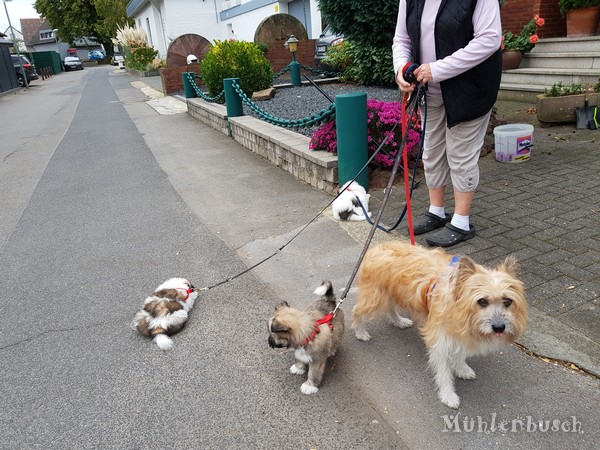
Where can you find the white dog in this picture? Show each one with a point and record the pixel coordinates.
(165, 312)
(347, 205)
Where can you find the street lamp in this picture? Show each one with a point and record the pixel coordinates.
(292, 45)
(16, 44)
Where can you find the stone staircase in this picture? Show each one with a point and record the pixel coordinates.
(568, 60)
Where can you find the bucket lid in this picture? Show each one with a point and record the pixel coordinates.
(514, 128)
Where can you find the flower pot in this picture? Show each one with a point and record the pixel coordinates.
(583, 21)
(511, 59)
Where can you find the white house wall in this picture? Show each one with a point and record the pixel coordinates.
(244, 26)
(166, 20)
(192, 16)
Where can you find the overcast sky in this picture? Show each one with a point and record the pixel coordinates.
(17, 9)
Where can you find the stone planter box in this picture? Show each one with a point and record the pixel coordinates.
(145, 73)
(562, 109)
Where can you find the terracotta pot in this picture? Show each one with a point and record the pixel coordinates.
(511, 59)
(583, 21)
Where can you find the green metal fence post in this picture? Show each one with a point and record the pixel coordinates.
(188, 89)
(295, 73)
(233, 102)
(351, 129)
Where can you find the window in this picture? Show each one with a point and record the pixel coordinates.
(46, 34)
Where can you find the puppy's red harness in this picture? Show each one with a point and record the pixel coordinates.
(317, 328)
(187, 291)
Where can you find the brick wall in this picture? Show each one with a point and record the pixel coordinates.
(516, 13)
(279, 56)
(171, 77)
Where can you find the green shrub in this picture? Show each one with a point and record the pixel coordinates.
(371, 65)
(138, 58)
(236, 59)
(564, 6)
(262, 47)
(597, 86)
(338, 56)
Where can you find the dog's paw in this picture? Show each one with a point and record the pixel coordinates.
(298, 369)
(465, 372)
(401, 322)
(308, 388)
(450, 399)
(362, 335)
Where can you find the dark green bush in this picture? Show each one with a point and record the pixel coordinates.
(371, 65)
(236, 59)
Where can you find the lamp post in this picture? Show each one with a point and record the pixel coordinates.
(292, 46)
(16, 44)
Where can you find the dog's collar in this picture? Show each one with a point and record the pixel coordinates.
(317, 328)
(426, 299)
(187, 291)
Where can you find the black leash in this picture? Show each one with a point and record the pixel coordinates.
(384, 201)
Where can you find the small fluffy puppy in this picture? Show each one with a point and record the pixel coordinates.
(165, 312)
(312, 341)
(462, 308)
(347, 206)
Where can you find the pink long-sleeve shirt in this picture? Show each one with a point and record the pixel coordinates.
(486, 40)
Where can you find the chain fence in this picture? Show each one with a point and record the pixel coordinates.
(306, 122)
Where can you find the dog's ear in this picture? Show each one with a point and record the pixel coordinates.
(277, 327)
(466, 268)
(282, 305)
(510, 266)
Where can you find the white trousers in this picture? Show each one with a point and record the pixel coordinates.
(451, 155)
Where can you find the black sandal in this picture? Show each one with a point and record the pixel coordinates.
(450, 236)
(429, 221)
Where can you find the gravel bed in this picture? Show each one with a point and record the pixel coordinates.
(298, 102)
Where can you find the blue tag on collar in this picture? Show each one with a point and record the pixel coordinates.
(454, 260)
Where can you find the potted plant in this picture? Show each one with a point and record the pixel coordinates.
(557, 104)
(514, 45)
(582, 16)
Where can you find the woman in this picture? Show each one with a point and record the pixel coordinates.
(456, 44)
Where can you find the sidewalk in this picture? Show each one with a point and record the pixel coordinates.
(546, 212)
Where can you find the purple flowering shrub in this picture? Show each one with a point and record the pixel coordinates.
(381, 118)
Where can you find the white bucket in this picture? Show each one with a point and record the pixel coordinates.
(513, 142)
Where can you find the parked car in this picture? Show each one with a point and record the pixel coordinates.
(96, 55)
(326, 40)
(117, 58)
(28, 67)
(73, 63)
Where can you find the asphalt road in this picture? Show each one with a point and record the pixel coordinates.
(103, 198)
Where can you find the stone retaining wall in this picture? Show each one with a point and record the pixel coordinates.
(282, 147)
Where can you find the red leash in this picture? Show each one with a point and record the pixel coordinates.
(411, 230)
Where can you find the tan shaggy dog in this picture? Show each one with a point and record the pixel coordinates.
(461, 307)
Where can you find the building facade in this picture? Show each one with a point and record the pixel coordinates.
(165, 20)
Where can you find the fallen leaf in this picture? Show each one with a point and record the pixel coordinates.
(570, 288)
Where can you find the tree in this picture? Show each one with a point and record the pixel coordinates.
(363, 22)
(369, 26)
(84, 18)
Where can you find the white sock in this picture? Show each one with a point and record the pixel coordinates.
(438, 211)
(461, 222)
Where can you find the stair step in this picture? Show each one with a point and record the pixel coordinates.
(583, 60)
(568, 45)
(546, 77)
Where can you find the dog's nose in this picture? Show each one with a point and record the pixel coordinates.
(498, 328)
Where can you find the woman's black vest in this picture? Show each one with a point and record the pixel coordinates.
(473, 93)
